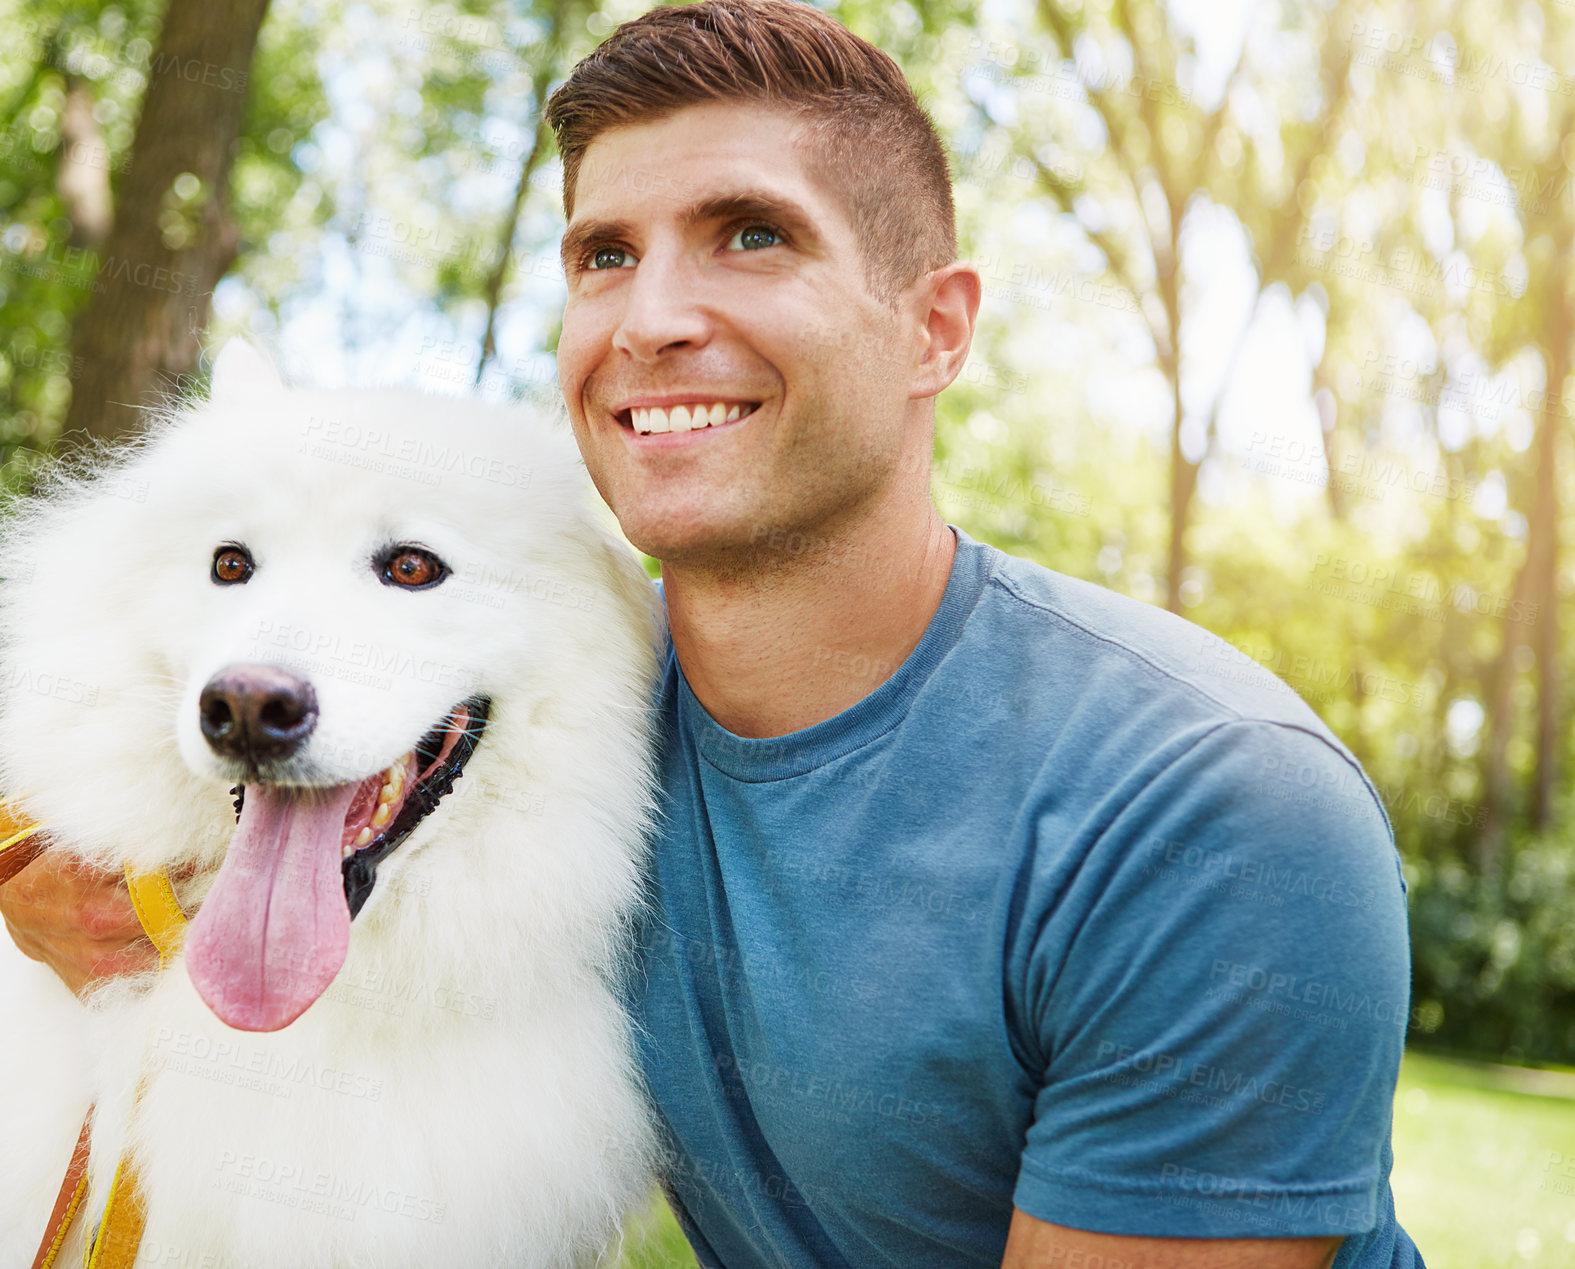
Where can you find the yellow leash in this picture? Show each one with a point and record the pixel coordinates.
(125, 1214)
(120, 1229)
(159, 911)
(10, 823)
(16, 851)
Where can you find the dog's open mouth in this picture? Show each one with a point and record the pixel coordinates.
(387, 806)
(275, 927)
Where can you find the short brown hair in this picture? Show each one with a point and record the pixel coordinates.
(861, 120)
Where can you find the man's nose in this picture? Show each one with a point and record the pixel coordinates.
(662, 309)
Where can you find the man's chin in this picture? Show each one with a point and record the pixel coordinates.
(702, 539)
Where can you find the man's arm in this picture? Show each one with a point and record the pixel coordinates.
(1035, 1244)
(77, 920)
(1217, 997)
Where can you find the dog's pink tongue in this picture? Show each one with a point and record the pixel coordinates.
(275, 927)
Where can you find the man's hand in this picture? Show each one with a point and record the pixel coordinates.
(77, 920)
(1037, 1244)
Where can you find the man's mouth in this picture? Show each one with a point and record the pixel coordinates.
(690, 417)
(275, 927)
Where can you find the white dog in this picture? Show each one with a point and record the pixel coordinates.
(393, 1037)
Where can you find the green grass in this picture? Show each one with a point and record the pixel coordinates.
(1484, 1171)
(655, 1242)
(1484, 1166)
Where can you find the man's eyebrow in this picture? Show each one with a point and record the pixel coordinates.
(750, 205)
(577, 239)
(753, 204)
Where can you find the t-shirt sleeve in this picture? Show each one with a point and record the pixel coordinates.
(1216, 992)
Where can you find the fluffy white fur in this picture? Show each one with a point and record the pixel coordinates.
(465, 1093)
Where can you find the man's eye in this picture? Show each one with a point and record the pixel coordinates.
(611, 258)
(754, 237)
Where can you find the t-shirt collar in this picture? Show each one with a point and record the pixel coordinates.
(781, 757)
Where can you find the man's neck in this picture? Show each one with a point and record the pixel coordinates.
(779, 649)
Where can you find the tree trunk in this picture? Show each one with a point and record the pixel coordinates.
(1536, 589)
(171, 240)
(1183, 473)
(1183, 483)
(1544, 586)
(492, 293)
(1497, 788)
(1328, 408)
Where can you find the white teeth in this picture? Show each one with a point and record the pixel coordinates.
(393, 779)
(683, 418)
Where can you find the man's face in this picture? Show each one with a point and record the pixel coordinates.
(708, 267)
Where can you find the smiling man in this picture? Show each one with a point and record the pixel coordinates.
(994, 918)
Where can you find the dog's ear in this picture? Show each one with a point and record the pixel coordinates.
(239, 371)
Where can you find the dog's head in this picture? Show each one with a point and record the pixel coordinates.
(325, 602)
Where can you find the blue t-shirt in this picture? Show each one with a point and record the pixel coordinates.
(1080, 910)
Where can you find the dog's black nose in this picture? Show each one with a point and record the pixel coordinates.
(259, 713)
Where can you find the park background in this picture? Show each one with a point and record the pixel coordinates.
(1278, 325)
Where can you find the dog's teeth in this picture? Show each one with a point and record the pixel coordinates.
(393, 779)
(363, 837)
(347, 850)
(381, 815)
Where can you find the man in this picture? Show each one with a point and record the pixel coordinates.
(995, 919)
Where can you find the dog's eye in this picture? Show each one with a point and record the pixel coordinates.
(412, 568)
(231, 565)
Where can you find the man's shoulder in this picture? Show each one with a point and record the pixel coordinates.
(1076, 629)
(1094, 660)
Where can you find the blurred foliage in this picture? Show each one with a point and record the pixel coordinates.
(1495, 965)
(1278, 309)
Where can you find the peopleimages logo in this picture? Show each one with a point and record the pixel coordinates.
(1255, 981)
(1131, 1063)
(290, 1183)
(171, 1046)
(61, 687)
(1261, 874)
(1275, 1205)
(326, 652)
(331, 434)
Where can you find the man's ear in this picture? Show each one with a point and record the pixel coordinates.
(241, 371)
(948, 303)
